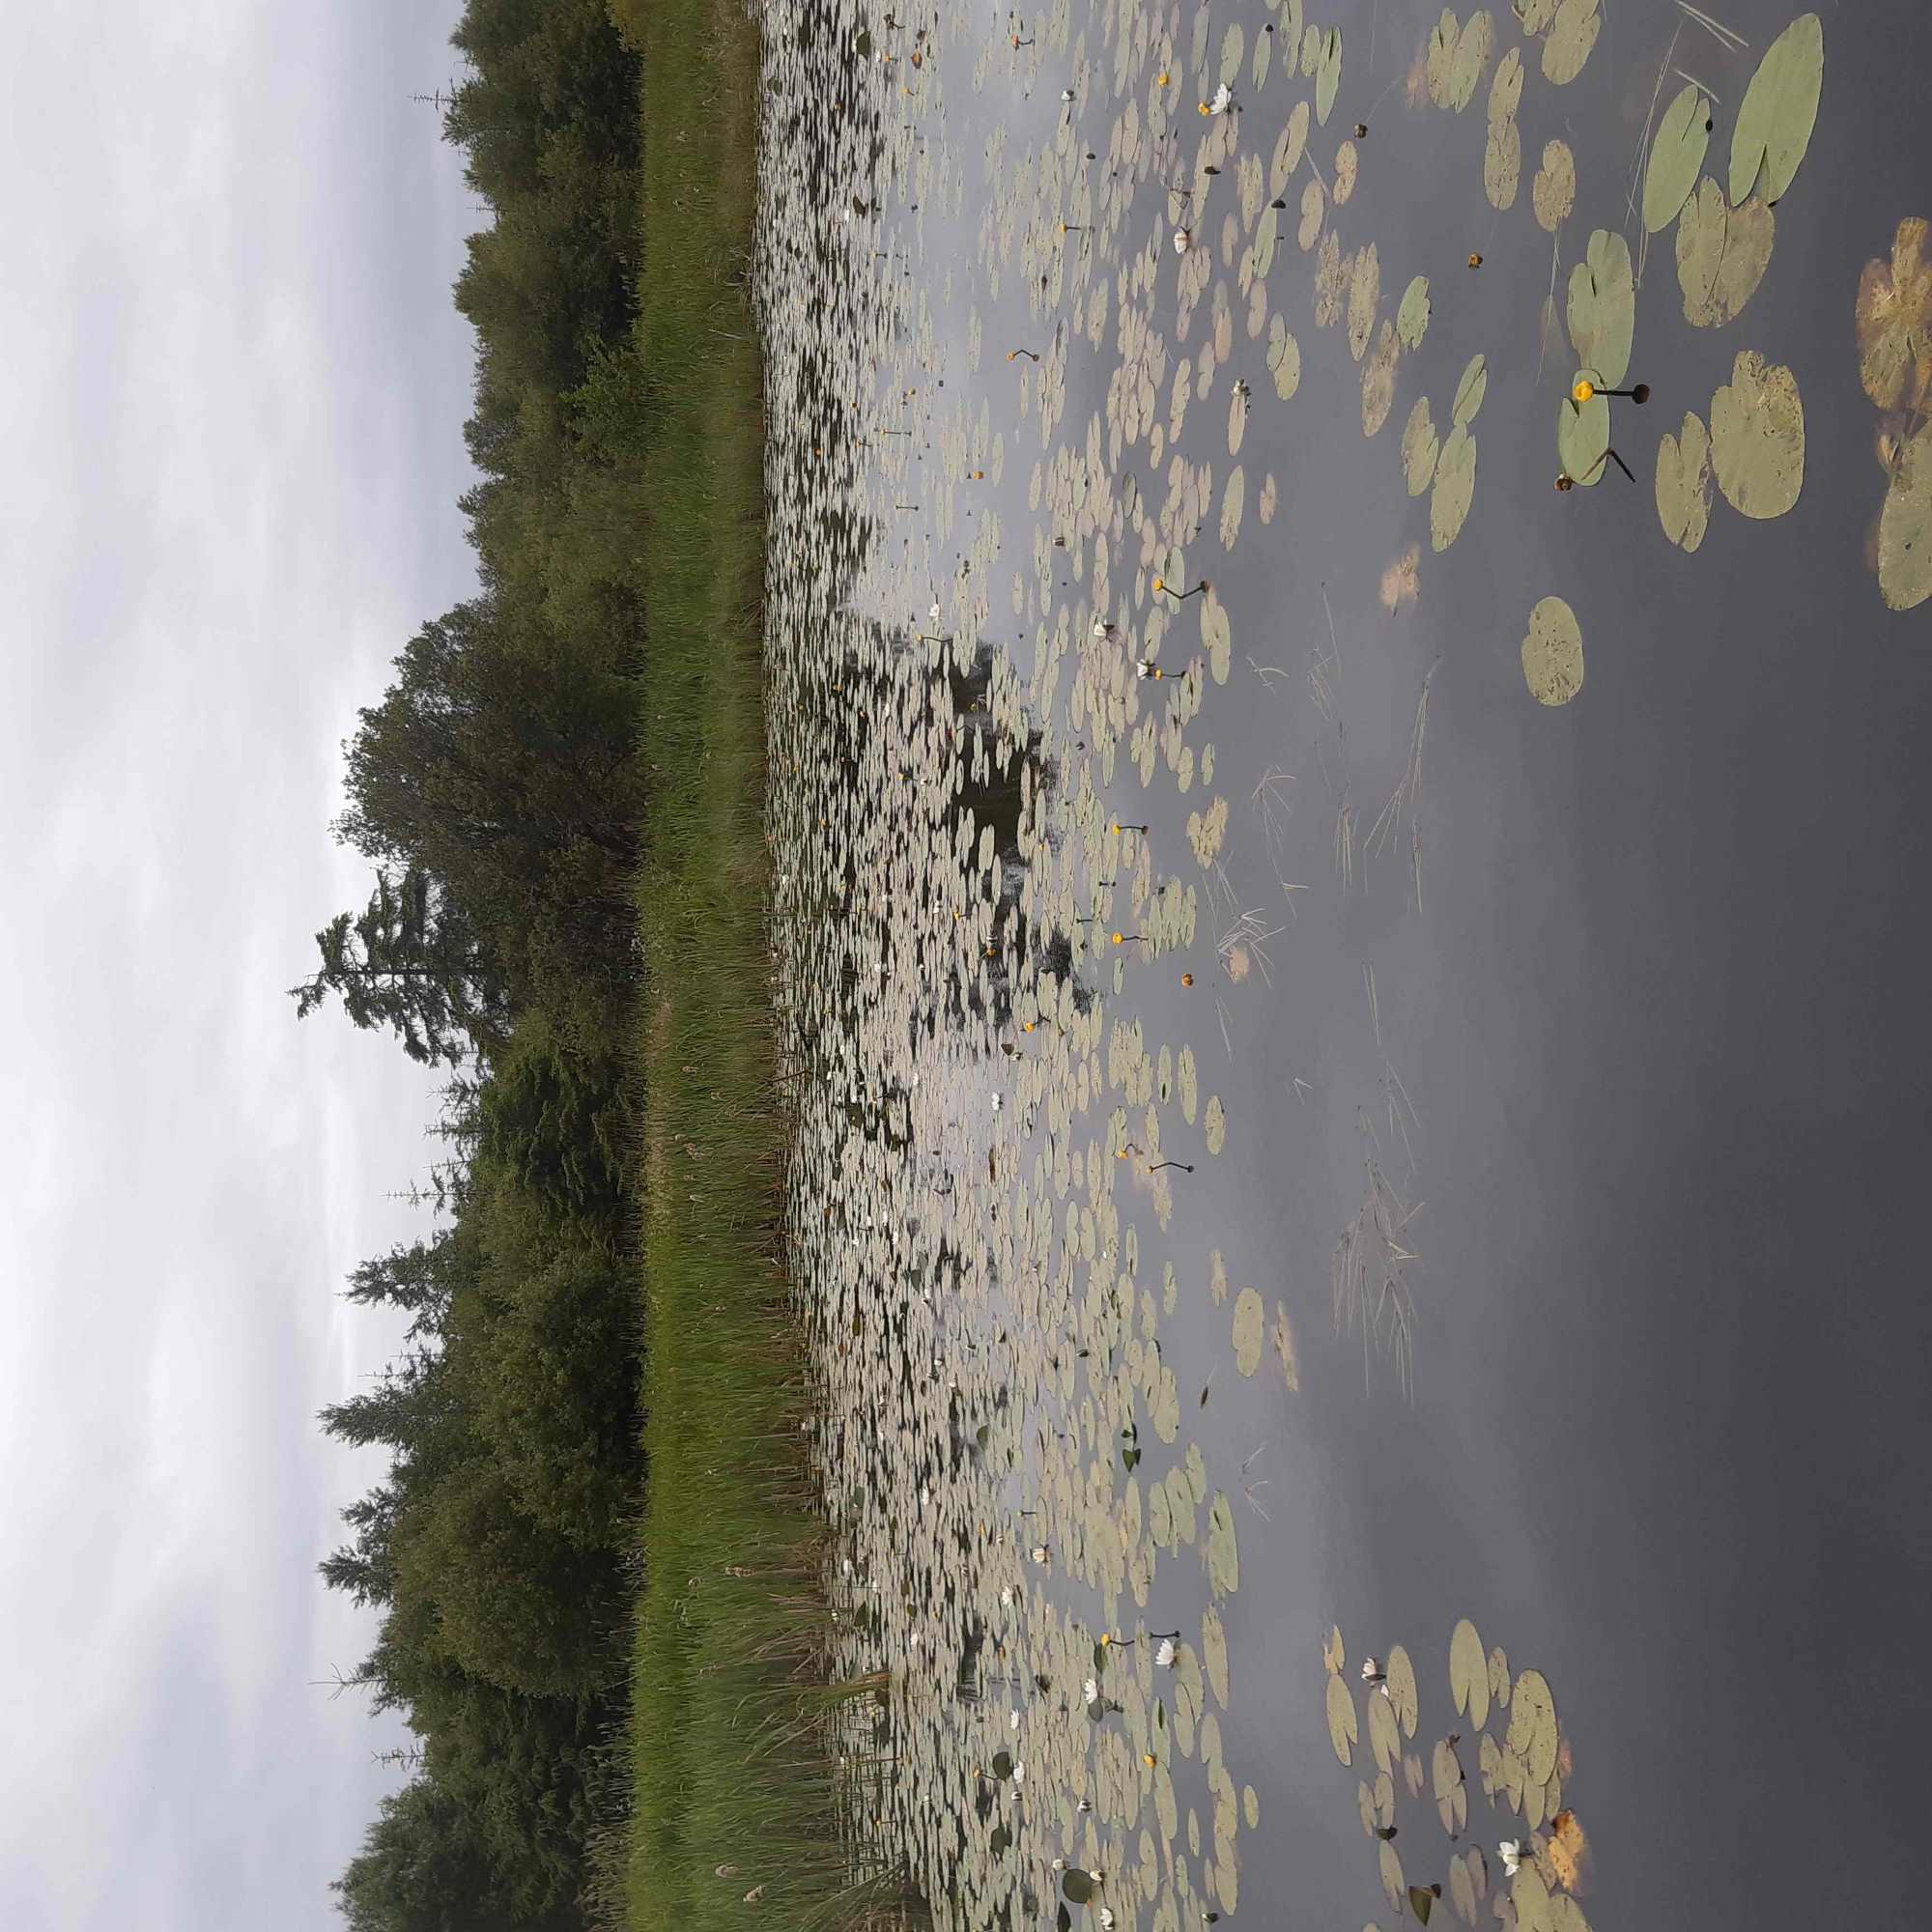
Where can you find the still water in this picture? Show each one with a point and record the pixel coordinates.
(1386, 1092)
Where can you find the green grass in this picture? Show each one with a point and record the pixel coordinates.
(731, 1760)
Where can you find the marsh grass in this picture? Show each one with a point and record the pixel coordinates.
(735, 1729)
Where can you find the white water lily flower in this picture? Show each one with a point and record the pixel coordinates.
(1082, 1805)
(1164, 1653)
(1020, 1774)
(1038, 1553)
(1066, 94)
(996, 1103)
(1372, 1671)
(1101, 628)
(1007, 1597)
(1106, 1919)
(935, 613)
(1089, 1690)
(1143, 667)
(1183, 240)
(1060, 1864)
(1223, 99)
(1016, 1720)
(1514, 1854)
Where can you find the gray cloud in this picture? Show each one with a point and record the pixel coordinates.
(234, 384)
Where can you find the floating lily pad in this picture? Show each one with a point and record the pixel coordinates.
(1554, 192)
(1419, 447)
(1683, 483)
(1379, 380)
(1333, 1655)
(1076, 1887)
(1365, 287)
(1473, 47)
(1572, 33)
(1313, 208)
(1499, 1678)
(1469, 1673)
(1532, 1725)
(1412, 318)
(1502, 163)
(1455, 488)
(1233, 44)
(1461, 1896)
(1385, 1730)
(1536, 15)
(1384, 1790)
(1439, 64)
(1757, 438)
(1224, 1561)
(1530, 1897)
(1284, 358)
(1676, 155)
(1489, 1764)
(1905, 528)
(1722, 254)
(1287, 148)
(1506, 89)
(1603, 307)
(1261, 251)
(1553, 666)
(1250, 1320)
(1583, 436)
(1402, 1688)
(1390, 1865)
(1445, 1771)
(1348, 160)
(1471, 389)
(1258, 71)
(1343, 1729)
(1894, 322)
(1328, 74)
(1778, 111)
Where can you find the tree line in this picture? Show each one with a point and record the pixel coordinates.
(494, 789)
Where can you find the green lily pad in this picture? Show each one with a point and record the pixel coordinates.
(1894, 322)
(1583, 436)
(1506, 89)
(1257, 71)
(1757, 438)
(1287, 150)
(1722, 254)
(1461, 1896)
(1536, 15)
(1603, 307)
(1076, 1887)
(1379, 380)
(1553, 194)
(1365, 287)
(1214, 1653)
(1224, 1561)
(1402, 1688)
(1530, 1897)
(1314, 205)
(1532, 1725)
(1389, 1865)
(1778, 111)
(1266, 231)
(1445, 1769)
(1419, 447)
(1284, 358)
(1683, 483)
(1474, 45)
(1499, 1678)
(1572, 33)
(1455, 488)
(1471, 389)
(1328, 75)
(1553, 666)
(1344, 1731)
(1676, 155)
(1469, 1673)
(1905, 528)
(1385, 1730)
(1439, 64)
(1233, 44)
(1412, 318)
(1250, 1320)
(1502, 163)
(1311, 49)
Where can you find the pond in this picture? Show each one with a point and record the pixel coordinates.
(1357, 1016)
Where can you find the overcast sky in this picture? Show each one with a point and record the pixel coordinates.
(232, 386)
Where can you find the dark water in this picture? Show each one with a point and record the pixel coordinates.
(1626, 1006)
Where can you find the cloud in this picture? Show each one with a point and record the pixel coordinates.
(235, 387)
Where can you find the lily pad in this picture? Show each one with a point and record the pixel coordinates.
(1287, 148)
(1553, 194)
(1894, 322)
(1419, 447)
(1411, 316)
(1439, 64)
(1778, 111)
(1757, 438)
(1722, 254)
(1471, 389)
(1455, 488)
(1348, 161)
(1402, 1688)
(1502, 163)
(1499, 1678)
(1536, 15)
(1233, 44)
(1506, 89)
(1258, 71)
(1311, 49)
(1262, 250)
(1333, 1654)
(1583, 436)
(1553, 666)
(1603, 307)
(1379, 380)
(1905, 528)
(1572, 33)
(1676, 155)
(1532, 1725)
(1344, 1731)
(1076, 1887)
(1473, 47)
(1250, 1318)
(1224, 1561)
(1328, 74)
(1365, 288)
(1389, 1865)
(1683, 483)
(1284, 358)
(1313, 208)
(1384, 1731)
(1461, 1896)
(1469, 1673)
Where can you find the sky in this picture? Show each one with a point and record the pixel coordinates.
(232, 388)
